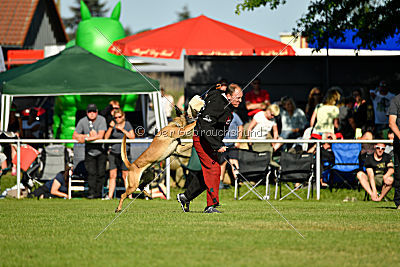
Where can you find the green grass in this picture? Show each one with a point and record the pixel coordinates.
(157, 233)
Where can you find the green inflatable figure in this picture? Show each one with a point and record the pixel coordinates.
(95, 35)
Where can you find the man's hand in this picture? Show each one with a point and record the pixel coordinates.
(92, 133)
(81, 138)
(222, 149)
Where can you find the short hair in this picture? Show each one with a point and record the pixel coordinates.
(231, 88)
(274, 109)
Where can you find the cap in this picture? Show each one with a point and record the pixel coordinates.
(91, 107)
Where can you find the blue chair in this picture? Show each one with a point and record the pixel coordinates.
(347, 163)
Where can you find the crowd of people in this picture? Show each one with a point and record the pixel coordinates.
(334, 115)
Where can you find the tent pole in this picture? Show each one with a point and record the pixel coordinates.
(5, 111)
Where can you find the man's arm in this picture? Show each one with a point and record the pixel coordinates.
(252, 106)
(393, 125)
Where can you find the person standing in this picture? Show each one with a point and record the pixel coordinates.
(91, 128)
(116, 130)
(381, 98)
(212, 126)
(394, 124)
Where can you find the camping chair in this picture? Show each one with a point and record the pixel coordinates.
(56, 157)
(253, 166)
(295, 168)
(347, 163)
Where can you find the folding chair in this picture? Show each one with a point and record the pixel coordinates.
(253, 166)
(295, 168)
(347, 163)
(55, 161)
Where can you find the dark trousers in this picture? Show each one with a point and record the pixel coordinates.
(211, 173)
(96, 169)
(396, 182)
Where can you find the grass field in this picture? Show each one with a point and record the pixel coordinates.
(157, 233)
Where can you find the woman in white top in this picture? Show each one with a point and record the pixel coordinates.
(326, 114)
(261, 126)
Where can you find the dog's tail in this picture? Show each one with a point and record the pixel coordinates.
(123, 153)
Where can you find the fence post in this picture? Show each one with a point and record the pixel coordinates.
(18, 168)
(318, 168)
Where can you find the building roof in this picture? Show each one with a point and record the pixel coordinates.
(16, 17)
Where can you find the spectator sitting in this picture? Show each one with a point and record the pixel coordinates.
(116, 130)
(347, 126)
(257, 99)
(381, 100)
(54, 188)
(379, 171)
(235, 131)
(294, 120)
(314, 98)
(261, 126)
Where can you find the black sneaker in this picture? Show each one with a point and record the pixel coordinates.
(211, 209)
(183, 201)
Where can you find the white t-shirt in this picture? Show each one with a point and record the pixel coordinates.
(263, 126)
(381, 106)
(325, 116)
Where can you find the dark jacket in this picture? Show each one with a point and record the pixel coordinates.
(213, 122)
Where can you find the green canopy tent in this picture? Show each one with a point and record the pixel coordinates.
(77, 71)
(71, 72)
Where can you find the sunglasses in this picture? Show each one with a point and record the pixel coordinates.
(117, 117)
(380, 147)
(115, 107)
(92, 111)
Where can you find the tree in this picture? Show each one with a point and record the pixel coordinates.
(373, 20)
(184, 14)
(96, 10)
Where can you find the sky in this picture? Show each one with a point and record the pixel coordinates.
(139, 15)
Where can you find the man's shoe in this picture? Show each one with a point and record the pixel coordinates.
(211, 209)
(183, 201)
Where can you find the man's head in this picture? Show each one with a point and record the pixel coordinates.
(256, 83)
(91, 111)
(383, 87)
(234, 94)
(379, 149)
(115, 105)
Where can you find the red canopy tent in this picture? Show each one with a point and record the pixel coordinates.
(198, 36)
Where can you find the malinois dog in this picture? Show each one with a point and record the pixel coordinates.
(163, 145)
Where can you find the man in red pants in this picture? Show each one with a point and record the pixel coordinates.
(212, 125)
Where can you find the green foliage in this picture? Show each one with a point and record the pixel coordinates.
(184, 13)
(374, 20)
(96, 7)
